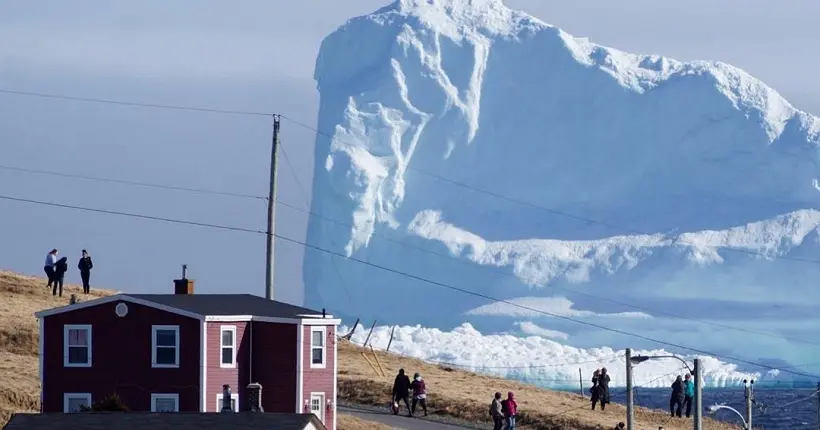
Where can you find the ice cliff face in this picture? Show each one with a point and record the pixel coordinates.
(479, 147)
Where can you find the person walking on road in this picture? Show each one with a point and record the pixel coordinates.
(401, 386)
(419, 394)
(59, 274)
(85, 265)
(676, 400)
(688, 394)
(51, 260)
(496, 412)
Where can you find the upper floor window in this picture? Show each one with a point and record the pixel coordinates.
(165, 346)
(166, 402)
(317, 347)
(227, 335)
(77, 345)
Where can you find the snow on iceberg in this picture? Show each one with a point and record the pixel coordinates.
(465, 136)
(541, 361)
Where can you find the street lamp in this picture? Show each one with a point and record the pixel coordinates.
(715, 408)
(694, 370)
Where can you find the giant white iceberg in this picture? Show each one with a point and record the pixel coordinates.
(480, 148)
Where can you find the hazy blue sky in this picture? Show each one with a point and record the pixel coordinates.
(259, 57)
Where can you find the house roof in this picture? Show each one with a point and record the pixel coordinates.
(228, 304)
(212, 307)
(163, 421)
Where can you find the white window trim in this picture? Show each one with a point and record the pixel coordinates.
(322, 403)
(323, 364)
(232, 364)
(154, 329)
(66, 329)
(164, 396)
(234, 397)
(67, 396)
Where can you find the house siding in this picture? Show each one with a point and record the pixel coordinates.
(239, 377)
(274, 365)
(121, 358)
(320, 380)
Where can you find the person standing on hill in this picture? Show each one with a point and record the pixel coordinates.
(497, 412)
(510, 409)
(676, 400)
(688, 394)
(59, 273)
(51, 260)
(401, 386)
(419, 394)
(85, 265)
(601, 387)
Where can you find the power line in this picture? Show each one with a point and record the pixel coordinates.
(415, 277)
(134, 183)
(134, 104)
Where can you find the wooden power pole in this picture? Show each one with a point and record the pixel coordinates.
(269, 257)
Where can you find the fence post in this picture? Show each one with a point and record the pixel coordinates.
(350, 335)
(369, 333)
(392, 330)
(581, 382)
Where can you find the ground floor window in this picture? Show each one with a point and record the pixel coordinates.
(164, 402)
(234, 402)
(73, 402)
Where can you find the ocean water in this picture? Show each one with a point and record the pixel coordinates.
(777, 408)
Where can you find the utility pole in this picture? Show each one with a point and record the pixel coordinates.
(748, 388)
(698, 396)
(269, 257)
(630, 401)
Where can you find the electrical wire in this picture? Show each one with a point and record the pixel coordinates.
(409, 276)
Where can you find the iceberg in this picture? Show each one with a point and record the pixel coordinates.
(478, 149)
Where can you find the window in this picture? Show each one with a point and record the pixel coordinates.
(165, 402)
(165, 346)
(317, 405)
(234, 402)
(77, 345)
(72, 402)
(317, 347)
(227, 346)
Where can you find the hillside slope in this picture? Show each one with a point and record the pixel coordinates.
(479, 147)
(454, 393)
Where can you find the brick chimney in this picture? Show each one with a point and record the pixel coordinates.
(255, 397)
(184, 285)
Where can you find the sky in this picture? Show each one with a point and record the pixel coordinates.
(258, 57)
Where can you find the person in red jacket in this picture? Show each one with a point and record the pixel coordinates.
(510, 408)
(419, 394)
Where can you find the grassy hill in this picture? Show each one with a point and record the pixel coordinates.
(452, 393)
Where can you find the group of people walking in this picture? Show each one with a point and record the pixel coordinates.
(683, 393)
(600, 388)
(504, 411)
(401, 391)
(56, 267)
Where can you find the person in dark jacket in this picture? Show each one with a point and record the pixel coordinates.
(688, 393)
(419, 394)
(59, 274)
(676, 401)
(400, 391)
(600, 384)
(85, 265)
(497, 412)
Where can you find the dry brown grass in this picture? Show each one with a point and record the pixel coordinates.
(453, 393)
(466, 396)
(349, 422)
(20, 297)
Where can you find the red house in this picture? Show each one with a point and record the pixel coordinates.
(175, 352)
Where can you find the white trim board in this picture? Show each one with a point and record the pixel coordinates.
(335, 377)
(203, 367)
(300, 363)
(307, 319)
